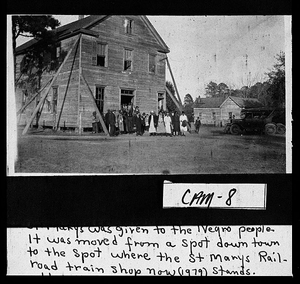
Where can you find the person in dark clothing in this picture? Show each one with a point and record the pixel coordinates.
(130, 120)
(106, 119)
(137, 121)
(197, 124)
(125, 120)
(112, 123)
(176, 124)
(143, 117)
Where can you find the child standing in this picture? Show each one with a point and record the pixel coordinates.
(197, 124)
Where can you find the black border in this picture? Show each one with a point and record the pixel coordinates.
(135, 201)
(153, 7)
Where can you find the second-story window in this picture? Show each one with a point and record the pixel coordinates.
(127, 60)
(129, 26)
(152, 63)
(58, 51)
(99, 57)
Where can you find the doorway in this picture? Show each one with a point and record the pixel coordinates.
(127, 97)
(161, 101)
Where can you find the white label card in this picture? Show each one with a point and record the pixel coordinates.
(210, 195)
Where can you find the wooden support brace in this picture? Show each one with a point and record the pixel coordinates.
(33, 97)
(79, 113)
(66, 91)
(169, 66)
(48, 89)
(95, 106)
(174, 99)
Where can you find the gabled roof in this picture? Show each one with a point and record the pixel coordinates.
(245, 102)
(155, 34)
(218, 102)
(65, 30)
(83, 26)
(210, 102)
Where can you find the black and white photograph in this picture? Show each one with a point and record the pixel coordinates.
(153, 145)
(122, 94)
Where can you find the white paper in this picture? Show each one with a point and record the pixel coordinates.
(151, 250)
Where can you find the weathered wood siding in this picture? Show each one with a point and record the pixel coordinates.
(69, 115)
(227, 107)
(146, 85)
(142, 43)
(207, 117)
(221, 114)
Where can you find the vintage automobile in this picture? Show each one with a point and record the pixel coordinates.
(259, 120)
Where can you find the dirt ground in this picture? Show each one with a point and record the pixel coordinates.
(209, 152)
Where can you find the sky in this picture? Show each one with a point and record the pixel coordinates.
(224, 49)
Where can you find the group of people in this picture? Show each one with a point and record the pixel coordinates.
(130, 120)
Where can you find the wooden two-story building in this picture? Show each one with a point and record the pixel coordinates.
(117, 59)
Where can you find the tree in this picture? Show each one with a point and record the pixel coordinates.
(214, 90)
(37, 27)
(188, 99)
(211, 89)
(188, 105)
(223, 90)
(264, 96)
(277, 81)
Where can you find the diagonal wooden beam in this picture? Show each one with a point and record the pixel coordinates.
(69, 79)
(95, 106)
(169, 66)
(33, 97)
(179, 106)
(48, 89)
(79, 88)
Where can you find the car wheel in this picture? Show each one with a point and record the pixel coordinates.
(226, 129)
(270, 128)
(280, 128)
(235, 129)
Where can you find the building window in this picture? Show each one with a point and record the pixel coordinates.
(128, 26)
(127, 60)
(58, 51)
(55, 52)
(99, 57)
(152, 63)
(54, 100)
(99, 98)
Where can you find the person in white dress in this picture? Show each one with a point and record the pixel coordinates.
(152, 120)
(168, 124)
(160, 124)
(183, 123)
